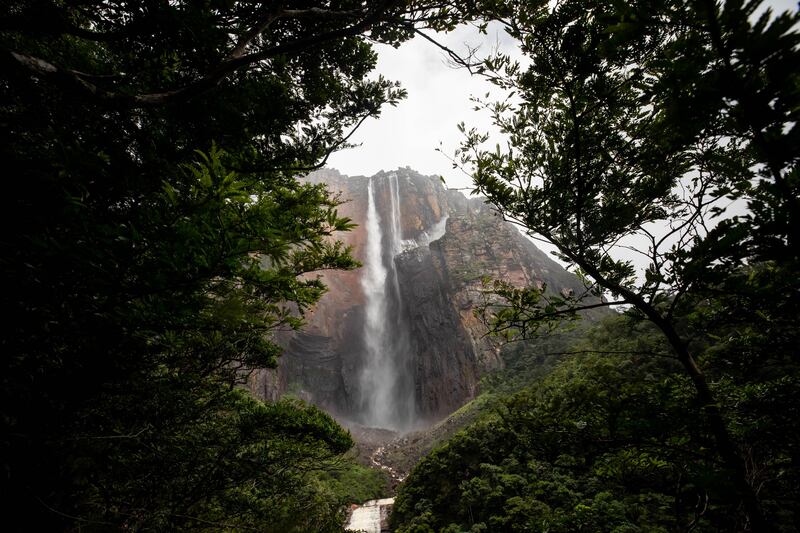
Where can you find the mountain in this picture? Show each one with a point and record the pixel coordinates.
(395, 344)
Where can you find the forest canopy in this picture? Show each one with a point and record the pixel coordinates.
(667, 130)
(157, 236)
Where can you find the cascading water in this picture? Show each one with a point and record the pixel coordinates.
(387, 386)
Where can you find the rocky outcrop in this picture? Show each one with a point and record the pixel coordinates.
(448, 244)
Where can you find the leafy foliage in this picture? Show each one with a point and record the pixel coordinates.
(636, 127)
(528, 360)
(157, 238)
(352, 482)
(605, 442)
(224, 460)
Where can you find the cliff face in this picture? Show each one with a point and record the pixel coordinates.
(435, 246)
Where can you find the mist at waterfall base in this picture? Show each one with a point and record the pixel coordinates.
(387, 389)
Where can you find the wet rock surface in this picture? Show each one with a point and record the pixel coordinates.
(440, 285)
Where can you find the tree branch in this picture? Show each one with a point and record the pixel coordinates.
(329, 151)
(455, 57)
(237, 60)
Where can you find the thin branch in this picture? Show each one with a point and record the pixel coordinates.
(612, 352)
(522, 321)
(318, 11)
(254, 32)
(104, 437)
(71, 517)
(333, 148)
(225, 68)
(455, 57)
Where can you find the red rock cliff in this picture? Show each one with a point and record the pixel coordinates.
(439, 276)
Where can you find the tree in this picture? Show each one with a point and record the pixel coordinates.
(156, 237)
(633, 128)
(563, 455)
(608, 440)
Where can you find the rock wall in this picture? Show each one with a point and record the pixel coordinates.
(439, 278)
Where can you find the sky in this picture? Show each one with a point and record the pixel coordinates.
(438, 99)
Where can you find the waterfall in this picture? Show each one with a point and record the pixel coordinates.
(387, 386)
(394, 193)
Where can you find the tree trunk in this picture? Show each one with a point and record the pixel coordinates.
(725, 445)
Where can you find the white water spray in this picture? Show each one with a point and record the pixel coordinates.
(387, 389)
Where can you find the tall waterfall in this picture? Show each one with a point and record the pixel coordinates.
(387, 385)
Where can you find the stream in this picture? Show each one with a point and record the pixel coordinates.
(371, 517)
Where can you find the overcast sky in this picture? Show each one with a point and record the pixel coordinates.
(438, 99)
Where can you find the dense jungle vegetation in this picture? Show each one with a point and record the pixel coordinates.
(608, 439)
(155, 237)
(667, 130)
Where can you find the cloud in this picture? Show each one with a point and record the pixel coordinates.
(438, 99)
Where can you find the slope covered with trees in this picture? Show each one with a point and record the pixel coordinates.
(666, 130)
(608, 440)
(155, 237)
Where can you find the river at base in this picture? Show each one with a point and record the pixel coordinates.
(371, 517)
